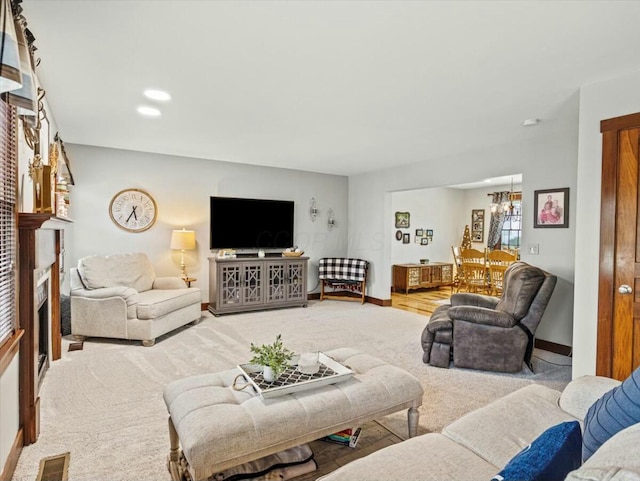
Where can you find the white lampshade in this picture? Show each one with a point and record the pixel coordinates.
(10, 78)
(24, 98)
(183, 239)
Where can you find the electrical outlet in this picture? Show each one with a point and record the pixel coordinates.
(533, 249)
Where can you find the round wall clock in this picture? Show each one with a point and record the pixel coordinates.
(133, 210)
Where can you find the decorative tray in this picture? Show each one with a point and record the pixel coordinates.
(292, 380)
(292, 254)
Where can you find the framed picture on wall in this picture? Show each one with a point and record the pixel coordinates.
(419, 232)
(402, 220)
(551, 207)
(406, 238)
(477, 225)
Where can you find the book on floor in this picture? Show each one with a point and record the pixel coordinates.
(346, 437)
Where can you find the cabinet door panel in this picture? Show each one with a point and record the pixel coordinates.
(276, 282)
(253, 284)
(230, 290)
(296, 281)
(414, 277)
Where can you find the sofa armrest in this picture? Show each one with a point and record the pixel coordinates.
(481, 315)
(106, 292)
(169, 283)
(582, 392)
(478, 300)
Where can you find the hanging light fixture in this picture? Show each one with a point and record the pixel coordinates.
(508, 205)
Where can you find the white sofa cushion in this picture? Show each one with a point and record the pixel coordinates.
(158, 302)
(131, 270)
(578, 396)
(617, 459)
(429, 457)
(499, 431)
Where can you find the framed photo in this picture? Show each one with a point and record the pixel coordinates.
(406, 238)
(429, 232)
(402, 220)
(477, 225)
(551, 207)
(424, 241)
(398, 235)
(419, 232)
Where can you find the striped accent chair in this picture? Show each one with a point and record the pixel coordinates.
(343, 276)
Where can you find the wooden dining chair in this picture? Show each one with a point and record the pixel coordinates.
(458, 279)
(474, 270)
(498, 261)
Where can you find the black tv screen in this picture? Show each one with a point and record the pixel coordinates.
(250, 223)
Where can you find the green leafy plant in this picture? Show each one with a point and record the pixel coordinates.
(275, 355)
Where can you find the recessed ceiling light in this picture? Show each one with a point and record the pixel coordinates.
(530, 122)
(148, 111)
(157, 95)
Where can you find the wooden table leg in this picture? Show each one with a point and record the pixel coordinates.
(174, 453)
(413, 416)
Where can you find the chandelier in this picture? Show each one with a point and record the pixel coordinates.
(503, 203)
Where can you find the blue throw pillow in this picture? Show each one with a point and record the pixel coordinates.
(613, 412)
(553, 455)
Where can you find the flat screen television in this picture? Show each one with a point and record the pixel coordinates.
(237, 223)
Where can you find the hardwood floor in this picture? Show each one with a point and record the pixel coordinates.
(421, 301)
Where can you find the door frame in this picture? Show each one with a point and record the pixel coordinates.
(609, 129)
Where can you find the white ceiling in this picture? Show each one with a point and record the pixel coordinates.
(328, 86)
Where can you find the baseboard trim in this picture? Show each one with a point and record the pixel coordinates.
(553, 347)
(12, 458)
(379, 302)
(316, 296)
(355, 296)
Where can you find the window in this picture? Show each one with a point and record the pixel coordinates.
(8, 196)
(512, 227)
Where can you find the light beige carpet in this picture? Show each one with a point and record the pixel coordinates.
(104, 403)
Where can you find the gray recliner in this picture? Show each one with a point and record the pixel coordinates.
(490, 333)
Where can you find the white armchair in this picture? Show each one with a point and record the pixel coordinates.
(120, 297)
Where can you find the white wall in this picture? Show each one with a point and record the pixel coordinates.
(598, 101)
(549, 161)
(182, 187)
(9, 409)
(436, 209)
(447, 211)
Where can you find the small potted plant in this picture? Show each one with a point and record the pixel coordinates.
(273, 357)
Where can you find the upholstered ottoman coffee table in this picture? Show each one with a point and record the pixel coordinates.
(218, 427)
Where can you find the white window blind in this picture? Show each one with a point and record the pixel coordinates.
(8, 242)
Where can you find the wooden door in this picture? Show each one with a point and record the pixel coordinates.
(619, 285)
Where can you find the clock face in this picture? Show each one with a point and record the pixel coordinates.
(133, 210)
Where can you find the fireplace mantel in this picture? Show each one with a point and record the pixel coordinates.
(39, 247)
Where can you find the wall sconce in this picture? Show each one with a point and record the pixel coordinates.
(331, 222)
(313, 210)
(183, 240)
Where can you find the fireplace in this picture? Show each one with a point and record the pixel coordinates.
(42, 325)
(39, 311)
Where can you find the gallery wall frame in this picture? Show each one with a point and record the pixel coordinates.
(477, 225)
(402, 220)
(551, 207)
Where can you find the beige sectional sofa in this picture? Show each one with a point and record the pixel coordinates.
(119, 296)
(481, 443)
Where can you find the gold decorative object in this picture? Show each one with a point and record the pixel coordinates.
(41, 176)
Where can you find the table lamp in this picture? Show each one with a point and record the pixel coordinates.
(183, 240)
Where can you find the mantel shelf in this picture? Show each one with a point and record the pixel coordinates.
(37, 221)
